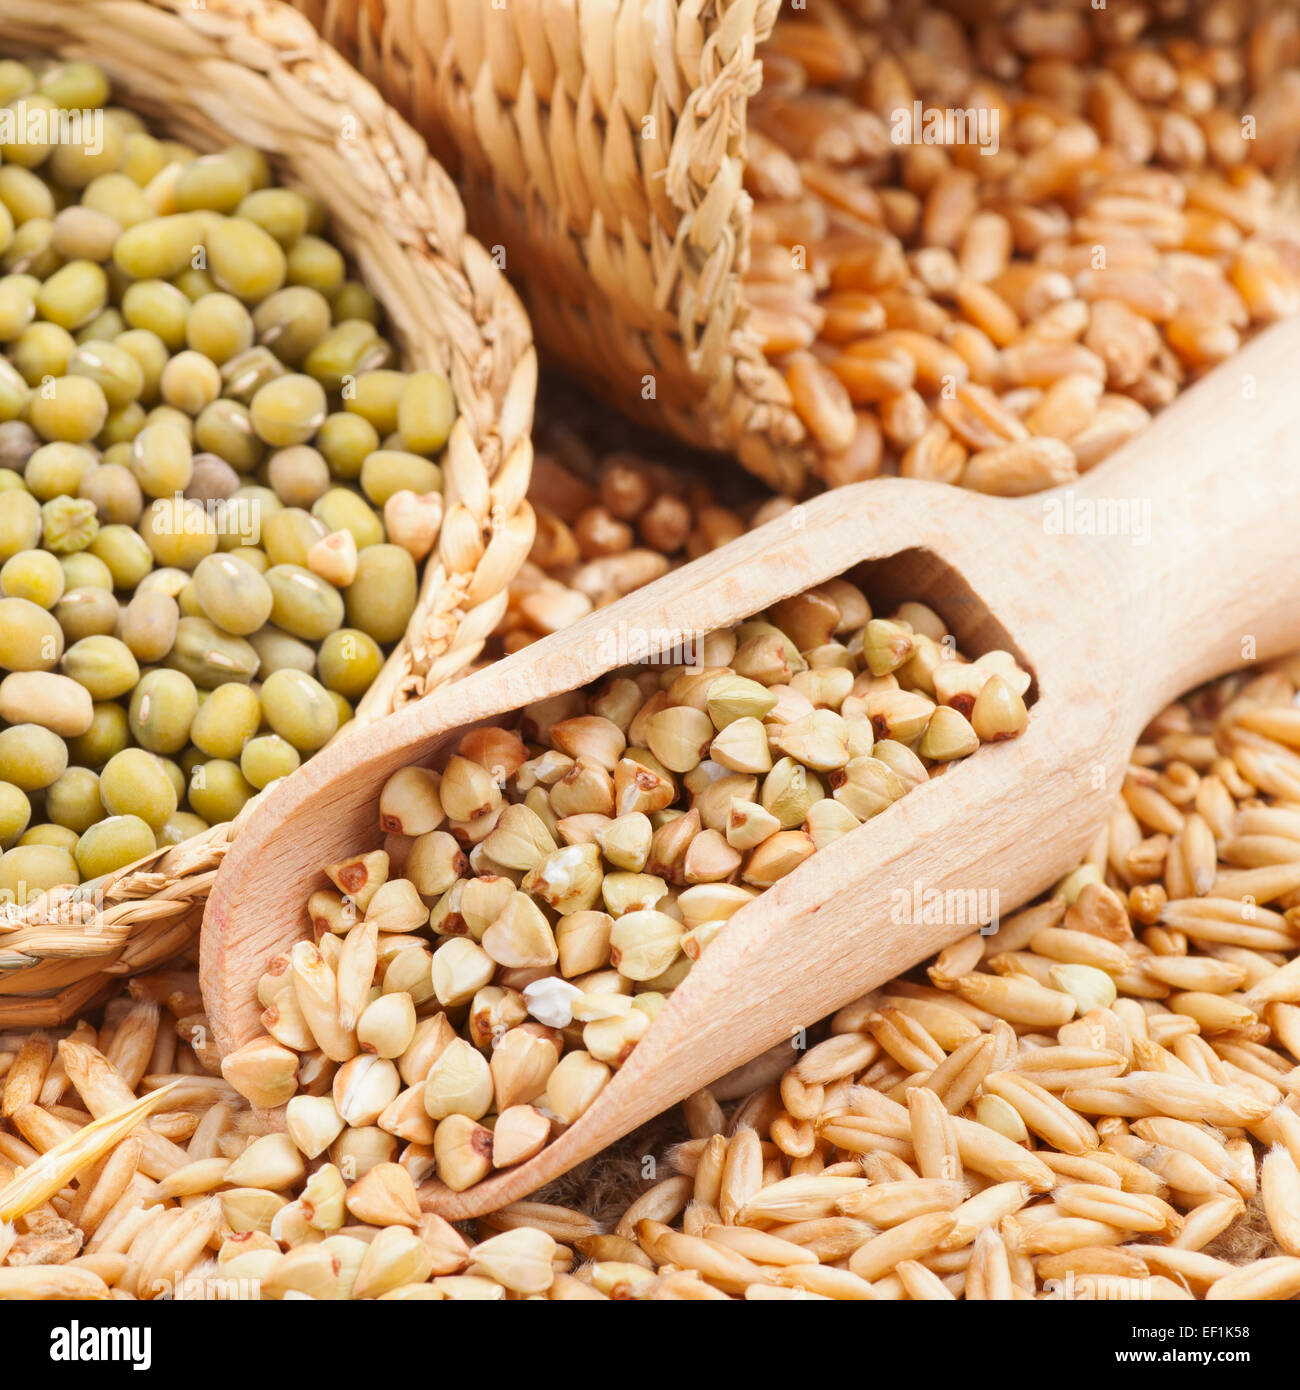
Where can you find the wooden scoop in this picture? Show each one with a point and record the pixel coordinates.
(1199, 575)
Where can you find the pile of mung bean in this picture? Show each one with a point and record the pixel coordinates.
(1001, 303)
(474, 984)
(215, 489)
(952, 1135)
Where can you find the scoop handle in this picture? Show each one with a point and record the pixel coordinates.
(1196, 523)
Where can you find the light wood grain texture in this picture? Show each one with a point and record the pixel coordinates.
(1111, 627)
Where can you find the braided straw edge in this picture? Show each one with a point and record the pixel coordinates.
(256, 71)
(631, 250)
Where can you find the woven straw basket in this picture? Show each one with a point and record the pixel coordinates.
(627, 234)
(255, 71)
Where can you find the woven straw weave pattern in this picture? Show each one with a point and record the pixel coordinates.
(601, 143)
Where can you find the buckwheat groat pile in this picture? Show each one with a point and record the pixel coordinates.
(990, 240)
(1096, 1101)
(474, 985)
